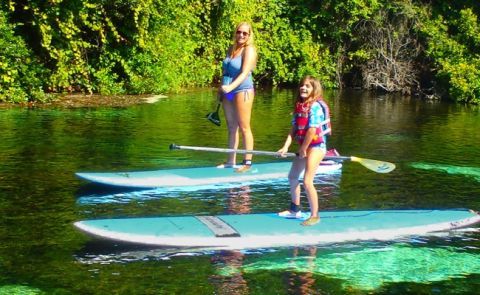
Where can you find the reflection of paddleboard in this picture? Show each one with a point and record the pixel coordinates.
(267, 230)
(198, 176)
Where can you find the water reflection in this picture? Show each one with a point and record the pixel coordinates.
(91, 194)
(302, 282)
(238, 202)
(232, 262)
(365, 266)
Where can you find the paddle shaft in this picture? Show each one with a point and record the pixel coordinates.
(253, 152)
(374, 165)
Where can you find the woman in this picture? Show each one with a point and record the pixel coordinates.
(238, 93)
(311, 125)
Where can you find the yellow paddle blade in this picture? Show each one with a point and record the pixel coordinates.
(374, 165)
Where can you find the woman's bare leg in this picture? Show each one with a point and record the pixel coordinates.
(243, 102)
(230, 111)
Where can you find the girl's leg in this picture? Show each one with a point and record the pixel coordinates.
(243, 102)
(229, 109)
(315, 156)
(297, 167)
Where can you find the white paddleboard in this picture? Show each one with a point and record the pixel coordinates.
(269, 230)
(198, 176)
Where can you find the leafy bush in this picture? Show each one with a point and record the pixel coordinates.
(452, 40)
(153, 46)
(21, 76)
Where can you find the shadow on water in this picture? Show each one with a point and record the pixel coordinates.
(94, 189)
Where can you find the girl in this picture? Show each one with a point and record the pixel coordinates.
(311, 124)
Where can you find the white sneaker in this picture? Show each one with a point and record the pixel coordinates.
(226, 165)
(290, 214)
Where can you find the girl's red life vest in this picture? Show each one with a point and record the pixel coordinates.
(301, 118)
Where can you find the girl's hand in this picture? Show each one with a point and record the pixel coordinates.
(302, 152)
(282, 151)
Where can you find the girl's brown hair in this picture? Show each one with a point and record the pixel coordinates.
(317, 89)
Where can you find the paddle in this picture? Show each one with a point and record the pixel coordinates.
(374, 165)
(213, 116)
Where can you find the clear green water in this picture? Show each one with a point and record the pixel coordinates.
(435, 147)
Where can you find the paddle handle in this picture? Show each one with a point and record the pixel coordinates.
(253, 152)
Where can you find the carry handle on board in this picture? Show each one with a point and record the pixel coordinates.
(374, 165)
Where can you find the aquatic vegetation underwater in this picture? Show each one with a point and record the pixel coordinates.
(371, 268)
(19, 290)
(451, 169)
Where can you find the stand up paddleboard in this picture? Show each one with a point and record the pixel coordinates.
(198, 176)
(270, 230)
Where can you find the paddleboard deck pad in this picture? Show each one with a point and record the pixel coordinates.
(198, 176)
(270, 230)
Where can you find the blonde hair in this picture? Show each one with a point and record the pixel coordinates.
(250, 41)
(317, 89)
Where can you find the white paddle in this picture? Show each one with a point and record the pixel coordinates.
(374, 165)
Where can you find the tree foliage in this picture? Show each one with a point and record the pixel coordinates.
(20, 72)
(453, 43)
(389, 50)
(153, 46)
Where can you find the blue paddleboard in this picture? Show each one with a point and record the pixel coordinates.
(270, 230)
(197, 176)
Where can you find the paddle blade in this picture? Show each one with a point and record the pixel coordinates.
(374, 165)
(214, 118)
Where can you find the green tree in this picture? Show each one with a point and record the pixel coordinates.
(453, 42)
(154, 46)
(21, 75)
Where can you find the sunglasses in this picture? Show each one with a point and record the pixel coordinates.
(242, 33)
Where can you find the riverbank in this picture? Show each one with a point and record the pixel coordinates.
(89, 101)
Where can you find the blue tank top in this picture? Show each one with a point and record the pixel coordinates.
(232, 67)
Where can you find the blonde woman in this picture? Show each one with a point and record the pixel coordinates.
(237, 93)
